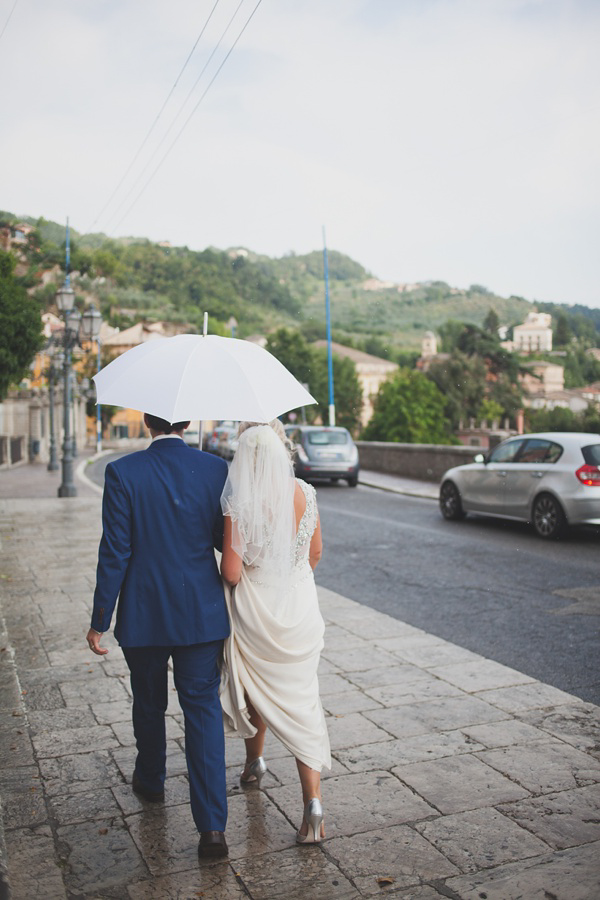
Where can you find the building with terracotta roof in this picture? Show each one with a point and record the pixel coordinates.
(371, 371)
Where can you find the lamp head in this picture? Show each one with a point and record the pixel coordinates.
(91, 322)
(65, 298)
(73, 321)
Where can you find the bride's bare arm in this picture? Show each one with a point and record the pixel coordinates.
(231, 563)
(316, 546)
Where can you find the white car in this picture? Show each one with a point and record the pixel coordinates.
(551, 480)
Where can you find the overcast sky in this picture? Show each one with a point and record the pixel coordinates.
(456, 140)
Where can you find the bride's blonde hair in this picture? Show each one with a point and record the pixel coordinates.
(277, 426)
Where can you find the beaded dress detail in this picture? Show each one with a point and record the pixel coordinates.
(272, 654)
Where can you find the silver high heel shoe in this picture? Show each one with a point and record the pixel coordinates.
(256, 771)
(313, 816)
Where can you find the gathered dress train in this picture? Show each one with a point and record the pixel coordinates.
(272, 654)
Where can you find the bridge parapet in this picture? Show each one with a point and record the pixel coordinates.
(428, 462)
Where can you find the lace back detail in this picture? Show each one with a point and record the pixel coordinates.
(307, 524)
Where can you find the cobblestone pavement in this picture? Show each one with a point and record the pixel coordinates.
(453, 776)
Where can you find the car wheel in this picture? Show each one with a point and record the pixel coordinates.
(547, 517)
(450, 502)
(352, 481)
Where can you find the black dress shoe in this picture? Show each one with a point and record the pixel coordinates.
(212, 843)
(152, 796)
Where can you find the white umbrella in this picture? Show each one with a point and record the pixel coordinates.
(192, 376)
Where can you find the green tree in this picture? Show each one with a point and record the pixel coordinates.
(105, 262)
(20, 326)
(408, 408)
(490, 410)
(478, 369)
(562, 331)
(491, 323)
(309, 365)
(291, 349)
(478, 289)
(559, 419)
(460, 379)
(580, 367)
(450, 333)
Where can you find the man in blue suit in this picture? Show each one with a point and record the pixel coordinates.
(162, 520)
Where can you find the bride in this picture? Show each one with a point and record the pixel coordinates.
(271, 545)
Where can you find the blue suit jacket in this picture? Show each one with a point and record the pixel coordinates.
(162, 519)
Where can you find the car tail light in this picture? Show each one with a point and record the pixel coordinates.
(589, 475)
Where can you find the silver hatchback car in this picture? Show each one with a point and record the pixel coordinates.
(551, 480)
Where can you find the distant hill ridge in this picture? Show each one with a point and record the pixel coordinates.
(134, 279)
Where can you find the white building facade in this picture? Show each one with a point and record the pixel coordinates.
(534, 335)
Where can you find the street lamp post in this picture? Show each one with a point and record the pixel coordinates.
(56, 362)
(91, 323)
(65, 299)
(74, 416)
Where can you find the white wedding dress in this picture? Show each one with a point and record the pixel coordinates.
(272, 654)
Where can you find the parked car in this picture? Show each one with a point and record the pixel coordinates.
(551, 480)
(191, 435)
(324, 452)
(222, 440)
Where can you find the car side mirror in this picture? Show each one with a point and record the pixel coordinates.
(479, 458)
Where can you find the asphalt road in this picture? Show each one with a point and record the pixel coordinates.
(487, 585)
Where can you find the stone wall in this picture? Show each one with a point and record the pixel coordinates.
(25, 426)
(425, 461)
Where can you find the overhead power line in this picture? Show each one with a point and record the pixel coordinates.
(154, 153)
(5, 26)
(185, 124)
(160, 112)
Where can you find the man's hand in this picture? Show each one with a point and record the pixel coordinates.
(93, 638)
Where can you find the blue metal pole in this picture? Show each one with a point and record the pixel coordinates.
(68, 259)
(328, 319)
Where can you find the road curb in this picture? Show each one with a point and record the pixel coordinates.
(408, 492)
(81, 474)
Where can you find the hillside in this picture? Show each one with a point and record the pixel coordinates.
(134, 279)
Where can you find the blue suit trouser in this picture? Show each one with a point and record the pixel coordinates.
(197, 678)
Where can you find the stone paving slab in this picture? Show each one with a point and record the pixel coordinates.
(568, 875)
(452, 776)
(562, 820)
(480, 839)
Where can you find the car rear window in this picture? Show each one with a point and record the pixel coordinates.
(591, 454)
(327, 437)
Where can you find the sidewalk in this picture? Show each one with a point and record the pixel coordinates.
(453, 776)
(429, 490)
(34, 481)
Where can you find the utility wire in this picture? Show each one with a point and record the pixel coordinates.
(160, 112)
(182, 129)
(8, 19)
(176, 117)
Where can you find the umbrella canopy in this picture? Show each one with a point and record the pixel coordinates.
(192, 376)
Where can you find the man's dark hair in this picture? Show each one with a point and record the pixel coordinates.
(161, 425)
